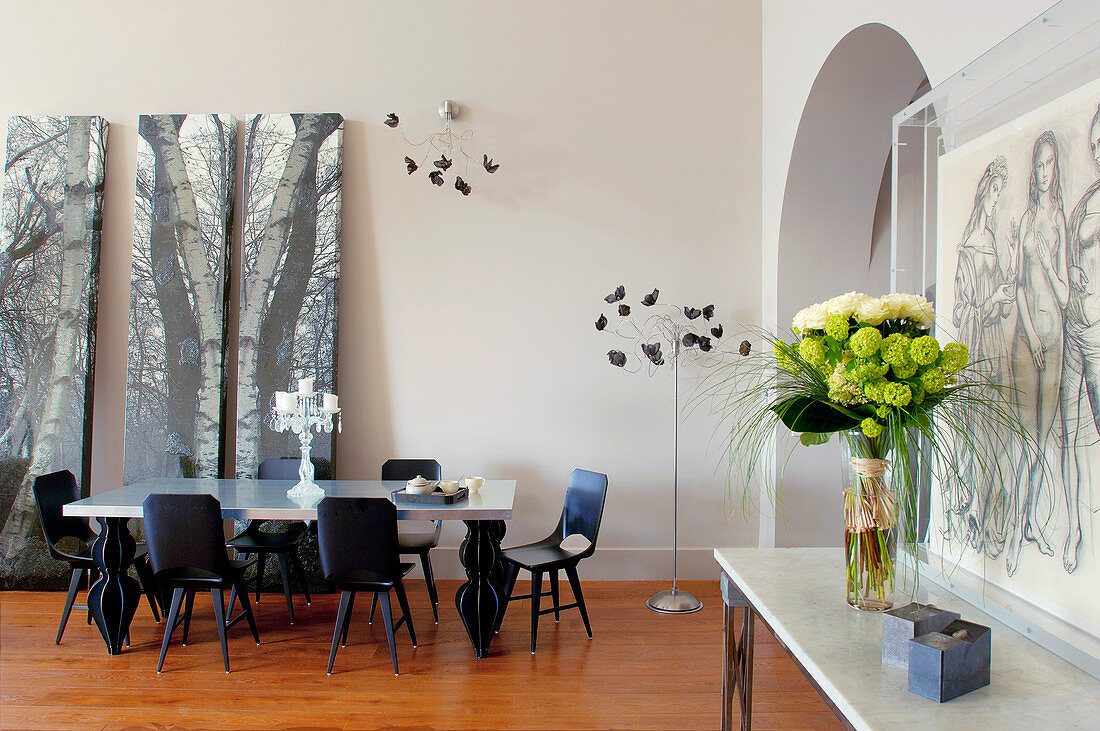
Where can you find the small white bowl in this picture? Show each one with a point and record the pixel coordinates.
(473, 484)
(449, 487)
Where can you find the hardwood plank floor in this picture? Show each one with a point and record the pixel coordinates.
(641, 671)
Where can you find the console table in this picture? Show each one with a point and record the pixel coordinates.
(114, 597)
(798, 593)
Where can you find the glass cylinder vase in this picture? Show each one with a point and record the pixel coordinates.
(870, 522)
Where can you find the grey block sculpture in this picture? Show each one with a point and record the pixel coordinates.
(904, 623)
(949, 663)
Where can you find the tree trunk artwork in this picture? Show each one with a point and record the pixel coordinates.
(49, 275)
(290, 274)
(176, 373)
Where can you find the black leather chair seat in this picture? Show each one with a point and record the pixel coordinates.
(280, 542)
(539, 555)
(367, 580)
(410, 542)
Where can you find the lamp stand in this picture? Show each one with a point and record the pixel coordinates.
(675, 601)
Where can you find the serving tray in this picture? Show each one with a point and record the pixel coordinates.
(433, 498)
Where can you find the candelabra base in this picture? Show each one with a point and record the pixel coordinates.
(305, 491)
(674, 601)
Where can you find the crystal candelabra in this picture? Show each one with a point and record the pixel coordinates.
(302, 412)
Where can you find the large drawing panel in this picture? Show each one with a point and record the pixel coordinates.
(49, 275)
(176, 372)
(290, 274)
(1018, 280)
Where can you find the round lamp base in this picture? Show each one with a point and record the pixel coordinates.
(674, 601)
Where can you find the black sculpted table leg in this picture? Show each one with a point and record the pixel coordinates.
(480, 599)
(113, 599)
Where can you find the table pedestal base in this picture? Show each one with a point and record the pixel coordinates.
(481, 601)
(737, 665)
(113, 598)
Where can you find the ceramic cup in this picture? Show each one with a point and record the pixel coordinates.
(449, 487)
(473, 484)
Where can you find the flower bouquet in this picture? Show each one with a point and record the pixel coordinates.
(867, 368)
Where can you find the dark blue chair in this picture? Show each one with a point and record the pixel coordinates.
(423, 542)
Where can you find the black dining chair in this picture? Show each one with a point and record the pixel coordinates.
(187, 552)
(583, 511)
(418, 543)
(51, 492)
(283, 544)
(357, 540)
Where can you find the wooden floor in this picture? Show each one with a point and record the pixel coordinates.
(642, 670)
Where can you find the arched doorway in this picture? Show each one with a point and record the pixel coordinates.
(834, 232)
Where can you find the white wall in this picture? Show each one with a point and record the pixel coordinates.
(797, 39)
(628, 135)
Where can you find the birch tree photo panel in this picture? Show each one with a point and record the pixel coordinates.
(176, 372)
(290, 272)
(49, 278)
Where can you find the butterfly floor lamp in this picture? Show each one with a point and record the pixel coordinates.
(686, 332)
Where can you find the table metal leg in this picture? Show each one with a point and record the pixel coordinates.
(113, 599)
(737, 665)
(481, 599)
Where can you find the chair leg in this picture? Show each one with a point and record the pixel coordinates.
(341, 618)
(284, 571)
(173, 613)
(554, 594)
(429, 579)
(190, 605)
(347, 622)
(246, 609)
(536, 595)
(373, 606)
(387, 617)
(575, 585)
(297, 564)
(404, 602)
(219, 619)
(74, 587)
(148, 585)
(261, 561)
(511, 573)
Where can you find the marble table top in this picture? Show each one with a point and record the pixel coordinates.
(267, 499)
(799, 592)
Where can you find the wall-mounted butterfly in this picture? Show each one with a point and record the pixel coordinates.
(411, 165)
(391, 120)
(601, 323)
(653, 352)
(704, 344)
(716, 332)
(462, 186)
(624, 310)
(615, 296)
(691, 313)
(690, 340)
(745, 347)
(436, 177)
(616, 358)
(443, 163)
(490, 167)
(708, 312)
(651, 299)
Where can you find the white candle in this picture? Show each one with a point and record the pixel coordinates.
(305, 386)
(330, 402)
(283, 401)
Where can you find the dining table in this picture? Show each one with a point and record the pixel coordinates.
(113, 598)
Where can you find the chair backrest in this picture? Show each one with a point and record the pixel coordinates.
(279, 469)
(50, 493)
(584, 500)
(406, 469)
(184, 534)
(358, 534)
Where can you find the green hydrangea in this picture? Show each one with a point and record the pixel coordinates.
(812, 350)
(836, 326)
(870, 427)
(918, 392)
(897, 394)
(924, 350)
(842, 391)
(933, 380)
(867, 369)
(953, 358)
(782, 358)
(874, 389)
(905, 370)
(883, 411)
(865, 342)
(895, 349)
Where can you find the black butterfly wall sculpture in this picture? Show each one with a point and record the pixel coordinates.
(446, 142)
(663, 325)
(745, 347)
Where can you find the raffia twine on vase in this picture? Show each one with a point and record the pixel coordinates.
(873, 506)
